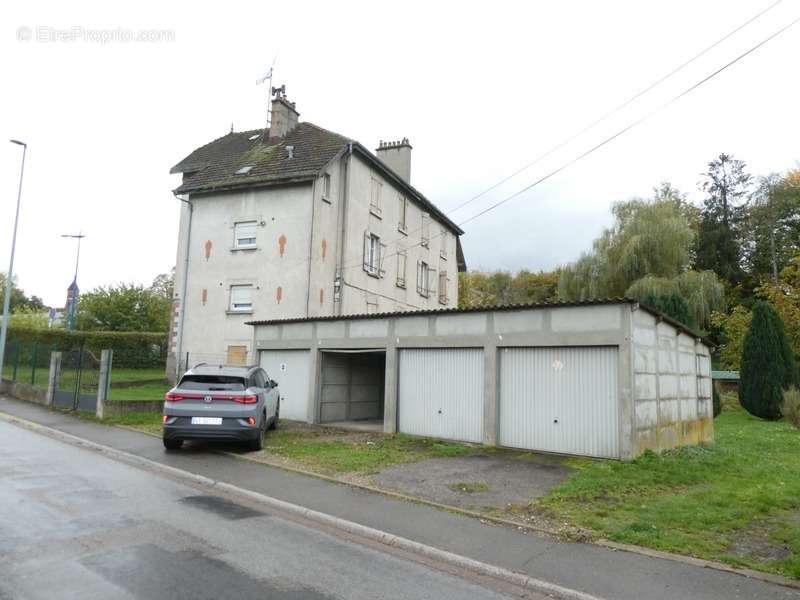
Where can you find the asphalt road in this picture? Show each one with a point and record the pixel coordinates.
(76, 524)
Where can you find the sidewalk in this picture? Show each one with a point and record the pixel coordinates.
(585, 567)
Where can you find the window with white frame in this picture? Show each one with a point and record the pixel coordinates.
(423, 278)
(376, 187)
(425, 235)
(244, 234)
(326, 187)
(443, 298)
(402, 259)
(241, 298)
(402, 220)
(373, 254)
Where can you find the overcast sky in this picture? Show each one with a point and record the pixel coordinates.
(479, 88)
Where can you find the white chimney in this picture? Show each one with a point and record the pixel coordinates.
(284, 116)
(396, 156)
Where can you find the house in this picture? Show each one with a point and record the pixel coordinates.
(607, 378)
(296, 221)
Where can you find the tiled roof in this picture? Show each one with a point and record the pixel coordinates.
(213, 166)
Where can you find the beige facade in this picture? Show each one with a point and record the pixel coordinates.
(353, 240)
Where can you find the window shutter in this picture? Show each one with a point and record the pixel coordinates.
(381, 256)
(366, 251)
(426, 230)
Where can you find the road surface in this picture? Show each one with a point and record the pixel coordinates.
(76, 524)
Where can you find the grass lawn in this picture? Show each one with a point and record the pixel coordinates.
(330, 451)
(148, 422)
(138, 384)
(737, 500)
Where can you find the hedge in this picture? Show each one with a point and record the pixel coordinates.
(132, 349)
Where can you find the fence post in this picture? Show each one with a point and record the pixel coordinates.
(52, 379)
(104, 382)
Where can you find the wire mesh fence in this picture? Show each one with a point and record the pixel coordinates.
(27, 362)
(139, 374)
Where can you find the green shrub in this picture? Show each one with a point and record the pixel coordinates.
(766, 369)
(791, 406)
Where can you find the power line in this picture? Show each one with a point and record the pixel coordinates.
(618, 133)
(596, 122)
(612, 112)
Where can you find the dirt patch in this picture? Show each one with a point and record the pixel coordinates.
(478, 481)
(755, 542)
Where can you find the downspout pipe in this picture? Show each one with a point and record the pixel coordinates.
(182, 310)
(342, 232)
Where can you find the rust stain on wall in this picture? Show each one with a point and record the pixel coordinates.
(321, 296)
(204, 296)
(279, 294)
(324, 248)
(207, 246)
(282, 244)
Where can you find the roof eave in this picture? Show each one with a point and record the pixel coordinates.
(211, 189)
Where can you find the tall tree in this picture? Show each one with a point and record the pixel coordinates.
(501, 287)
(164, 284)
(726, 184)
(772, 226)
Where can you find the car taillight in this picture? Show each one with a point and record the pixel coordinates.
(174, 397)
(250, 399)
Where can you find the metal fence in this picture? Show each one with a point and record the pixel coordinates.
(27, 362)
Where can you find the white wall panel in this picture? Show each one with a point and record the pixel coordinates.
(440, 393)
(290, 369)
(560, 400)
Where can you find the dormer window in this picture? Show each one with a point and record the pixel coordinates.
(244, 170)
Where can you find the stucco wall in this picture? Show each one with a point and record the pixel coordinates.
(672, 386)
(277, 267)
(383, 293)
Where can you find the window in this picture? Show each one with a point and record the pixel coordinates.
(401, 222)
(423, 278)
(425, 237)
(326, 187)
(241, 298)
(443, 246)
(373, 254)
(443, 299)
(215, 383)
(244, 234)
(375, 197)
(402, 259)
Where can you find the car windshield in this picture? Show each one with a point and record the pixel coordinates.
(212, 383)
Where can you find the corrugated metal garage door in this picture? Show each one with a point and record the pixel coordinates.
(560, 400)
(440, 393)
(290, 369)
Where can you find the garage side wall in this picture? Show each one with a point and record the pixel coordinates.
(672, 386)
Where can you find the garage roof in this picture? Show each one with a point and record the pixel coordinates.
(489, 308)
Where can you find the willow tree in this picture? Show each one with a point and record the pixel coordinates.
(702, 290)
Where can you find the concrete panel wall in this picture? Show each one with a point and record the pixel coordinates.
(668, 410)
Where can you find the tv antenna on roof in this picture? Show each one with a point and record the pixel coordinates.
(267, 78)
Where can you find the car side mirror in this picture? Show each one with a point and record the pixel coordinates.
(273, 383)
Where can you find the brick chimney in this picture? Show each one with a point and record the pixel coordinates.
(284, 114)
(396, 156)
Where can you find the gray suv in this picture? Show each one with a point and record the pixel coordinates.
(221, 403)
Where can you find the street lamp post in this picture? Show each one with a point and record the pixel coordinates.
(10, 274)
(73, 299)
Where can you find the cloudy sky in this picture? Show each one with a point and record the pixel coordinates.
(481, 89)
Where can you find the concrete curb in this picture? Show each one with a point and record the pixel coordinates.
(375, 535)
(602, 542)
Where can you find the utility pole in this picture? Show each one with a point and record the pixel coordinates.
(72, 294)
(10, 274)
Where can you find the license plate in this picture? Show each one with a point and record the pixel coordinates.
(206, 420)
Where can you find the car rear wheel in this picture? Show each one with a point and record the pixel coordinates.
(172, 444)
